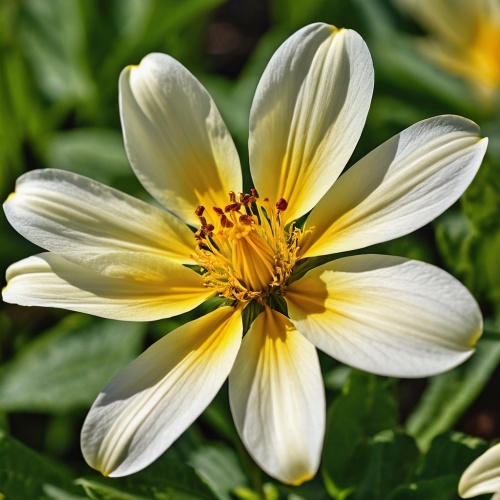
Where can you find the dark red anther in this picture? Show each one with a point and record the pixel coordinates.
(254, 192)
(218, 210)
(225, 222)
(203, 221)
(246, 219)
(199, 210)
(207, 228)
(232, 197)
(232, 207)
(281, 205)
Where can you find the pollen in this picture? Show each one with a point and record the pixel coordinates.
(245, 250)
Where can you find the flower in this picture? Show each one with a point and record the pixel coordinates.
(482, 475)
(465, 39)
(114, 256)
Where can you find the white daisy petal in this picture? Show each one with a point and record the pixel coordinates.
(397, 188)
(277, 399)
(308, 113)
(482, 475)
(160, 289)
(386, 315)
(88, 223)
(151, 402)
(176, 141)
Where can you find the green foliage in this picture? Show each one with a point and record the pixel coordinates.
(164, 480)
(59, 66)
(441, 468)
(66, 367)
(448, 395)
(26, 474)
(366, 407)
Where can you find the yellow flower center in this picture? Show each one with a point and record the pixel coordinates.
(245, 250)
(484, 52)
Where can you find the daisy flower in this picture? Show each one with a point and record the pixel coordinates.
(464, 39)
(117, 257)
(482, 476)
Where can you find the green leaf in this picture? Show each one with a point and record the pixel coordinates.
(95, 153)
(448, 395)
(220, 468)
(451, 453)
(444, 463)
(366, 407)
(25, 474)
(389, 460)
(442, 488)
(66, 366)
(163, 480)
(52, 35)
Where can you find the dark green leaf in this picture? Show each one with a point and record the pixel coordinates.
(388, 461)
(25, 474)
(95, 153)
(163, 480)
(448, 395)
(220, 468)
(366, 407)
(67, 366)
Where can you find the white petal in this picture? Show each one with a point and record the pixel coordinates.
(150, 403)
(397, 188)
(89, 223)
(386, 315)
(160, 289)
(482, 475)
(175, 138)
(277, 399)
(308, 113)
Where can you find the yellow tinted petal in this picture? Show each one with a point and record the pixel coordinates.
(308, 113)
(153, 400)
(277, 399)
(176, 141)
(386, 315)
(159, 288)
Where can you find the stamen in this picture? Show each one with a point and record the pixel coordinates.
(245, 251)
(233, 207)
(281, 205)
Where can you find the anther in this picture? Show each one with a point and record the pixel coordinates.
(247, 199)
(225, 222)
(233, 207)
(232, 197)
(203, 221)
(246, 219)
(199, 210)
(281, 205)
(218, 210)
(207, 228)
(254, 192)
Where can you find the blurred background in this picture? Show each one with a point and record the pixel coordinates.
(59, 67)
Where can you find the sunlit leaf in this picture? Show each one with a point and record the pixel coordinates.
(25, 474)
(164, 480)
(448, 395)
(67, 366)
(367, 406)
(95, 153)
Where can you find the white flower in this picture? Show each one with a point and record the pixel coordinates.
(464, 39)
(482, 475)
(117, 257)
